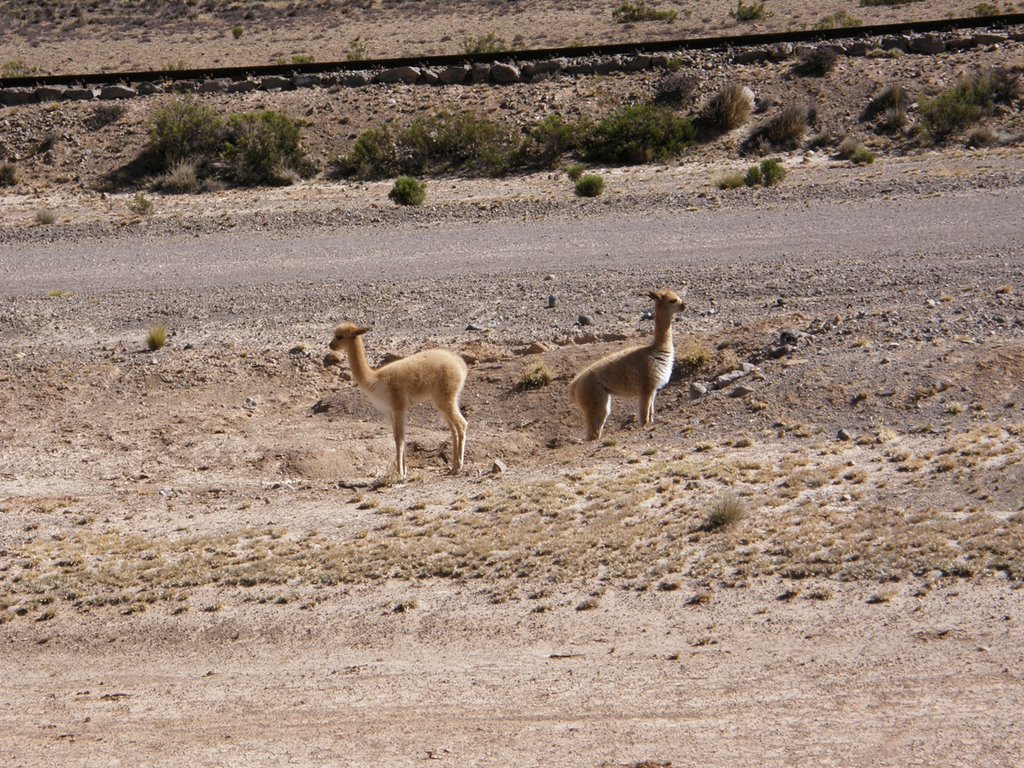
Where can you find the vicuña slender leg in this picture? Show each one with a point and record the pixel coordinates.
(398, 426)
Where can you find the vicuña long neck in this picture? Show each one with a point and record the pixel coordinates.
(361, 370)
(663, 329)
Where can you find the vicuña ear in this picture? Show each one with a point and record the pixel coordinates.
(359, 331)
(653, 295)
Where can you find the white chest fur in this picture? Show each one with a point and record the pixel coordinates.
(661, 362)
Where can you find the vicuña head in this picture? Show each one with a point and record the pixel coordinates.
(637, 372)
(434, 374)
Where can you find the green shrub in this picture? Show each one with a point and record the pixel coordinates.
(575, 170)
(8, 175)
(374, 155)
(968, 101)
(184, 130)
(984, 9)
(408, 191)
(263, 148)
(589, 185)
(639, 133)
(548, 140)
(862, 156)
(769, 173)
(772, 172)
(748, 11)
(628, 13)
(728, 109)
(237, 31)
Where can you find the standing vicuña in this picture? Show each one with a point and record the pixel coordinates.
(638, 372)
(434, 374)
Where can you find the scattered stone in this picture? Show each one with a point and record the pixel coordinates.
(499, 467)
(741, 391)
(277, 83)
(118, 92)
(697, 390)
(454, 75)
(552, 301)
(585, 320)
(407, 75)
(928, 44)
(844, 435)
(505, 74)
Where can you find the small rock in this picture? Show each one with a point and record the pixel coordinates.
(473, 327)
(697, 390)
(585, 320)
(552, 301)
(741, 391)
(930, 303)
(843, 434)
(499, 467)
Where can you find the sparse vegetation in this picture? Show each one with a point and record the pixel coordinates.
(589, 185)
(8, 175)
(17, 68)
(968, 101)
(784, 131)
(729, 108)
(156, 337)
(838, 20)
(140, 205)
(408, 191)
(982, 10)
(729, 180)
(676, 89)
(818, 62)
(535, 376)
(488, 43)
(356, 50)
(574, 171)
(45, 216)
(181, 179)
(631, 12)
(876, 3)
(727, 511)
(237, 31)
(104, 115)
(754, 11)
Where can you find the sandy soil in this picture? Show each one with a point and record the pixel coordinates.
(207, 560)
(115, 36)
(205, 557)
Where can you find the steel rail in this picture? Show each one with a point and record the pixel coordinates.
(574, 52)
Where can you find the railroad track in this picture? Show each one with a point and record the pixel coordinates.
(1001, 21)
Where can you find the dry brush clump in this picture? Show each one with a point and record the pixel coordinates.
(783, 131)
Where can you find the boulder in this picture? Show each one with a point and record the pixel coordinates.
(118, 92)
